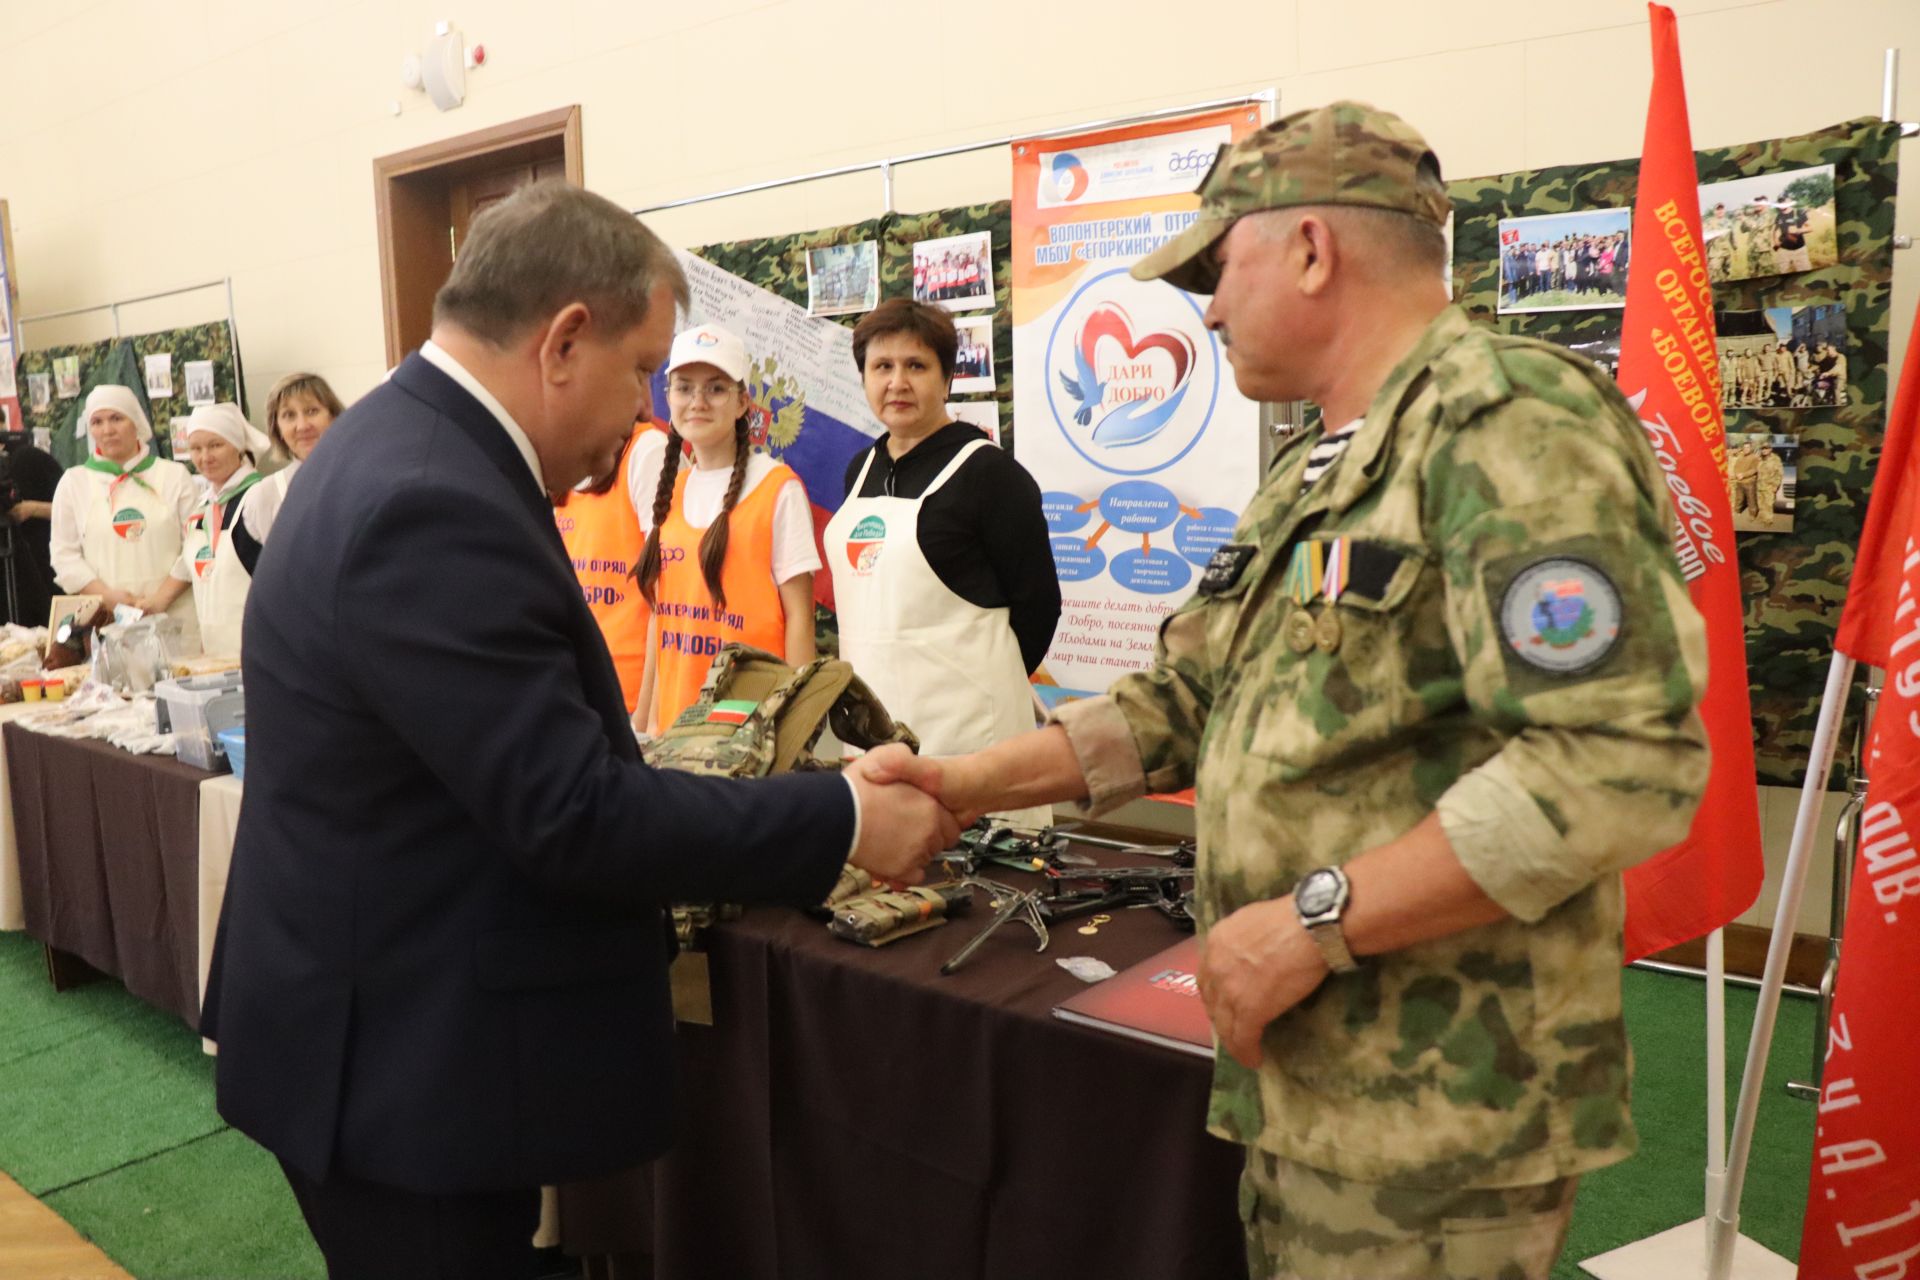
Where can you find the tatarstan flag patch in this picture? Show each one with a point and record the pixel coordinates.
(732, 711)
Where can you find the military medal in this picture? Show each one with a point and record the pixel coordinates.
(1305, 571)
(1299, 631)
(1326, 631)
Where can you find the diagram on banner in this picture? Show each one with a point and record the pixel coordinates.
(1130, 513)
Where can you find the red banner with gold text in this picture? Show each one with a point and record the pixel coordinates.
(1670, 370)
(1863, 1203)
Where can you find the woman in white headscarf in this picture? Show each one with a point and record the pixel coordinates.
(117, 518)
(223, 445)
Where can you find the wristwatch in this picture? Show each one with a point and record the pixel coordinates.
(1321, 898)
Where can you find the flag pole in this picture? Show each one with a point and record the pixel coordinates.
(1722, 1231)
(1716, 1178)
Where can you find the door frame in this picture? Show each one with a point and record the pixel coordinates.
(410, 194)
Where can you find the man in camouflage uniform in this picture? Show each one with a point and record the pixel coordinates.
(1718, 232)
(1757, 223)
(1434, 697)
(1744, 472)
(1770, 474)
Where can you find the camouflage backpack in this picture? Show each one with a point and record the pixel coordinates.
(757, 716)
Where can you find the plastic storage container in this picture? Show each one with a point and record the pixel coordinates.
(194, 709)
(234, 743)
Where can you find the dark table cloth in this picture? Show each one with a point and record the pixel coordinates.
(854, 1114)
(109, 860)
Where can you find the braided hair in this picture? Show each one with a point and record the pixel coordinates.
(647, 572)
(713, 545)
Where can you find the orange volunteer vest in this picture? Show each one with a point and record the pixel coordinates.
(691, 629)
(603, 539)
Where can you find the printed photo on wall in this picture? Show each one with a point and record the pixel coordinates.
(1783, 357)
(8, 388)
(843, 279)
(66, 376)
(1773, 225)
(973, 360)
(1762, 469)
(955, 273)
(984, 414)
(1597, 337)
(199, 382)
(160, 375)
(39, 392)
(177, 435)
(1564, 261)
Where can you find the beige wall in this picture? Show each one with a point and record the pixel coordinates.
(150, 143)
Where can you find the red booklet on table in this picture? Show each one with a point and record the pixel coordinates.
(1157, 1000)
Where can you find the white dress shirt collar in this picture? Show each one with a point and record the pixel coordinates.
(437, 356)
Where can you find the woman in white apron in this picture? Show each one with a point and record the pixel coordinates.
(223, 445)
(300, 408)
(117, 517)
(943, 573)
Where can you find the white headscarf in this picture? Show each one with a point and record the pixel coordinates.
(226, 421)
(111, 395)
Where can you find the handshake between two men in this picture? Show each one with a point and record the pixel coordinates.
(913, 807)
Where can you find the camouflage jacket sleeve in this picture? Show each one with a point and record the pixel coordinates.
(1576, 639)
(1144, 736)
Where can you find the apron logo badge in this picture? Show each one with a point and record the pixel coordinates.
(865, 544)
(129, 523)
(203, 562)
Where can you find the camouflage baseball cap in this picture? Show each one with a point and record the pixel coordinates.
(1343, 153)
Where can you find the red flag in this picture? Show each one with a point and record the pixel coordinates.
(1670, 370)
(1873, 594)
(1863, 1203)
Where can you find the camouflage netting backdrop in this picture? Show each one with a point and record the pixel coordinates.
(1794, 582)
(122, 360)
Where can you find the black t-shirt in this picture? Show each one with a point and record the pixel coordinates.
(1793, 228)
(35, 476)
(983, 532)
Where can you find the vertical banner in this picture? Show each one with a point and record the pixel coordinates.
(1124, 406)
(1863, 1201)
(1670, 372)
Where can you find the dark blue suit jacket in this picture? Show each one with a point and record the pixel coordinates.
(442, 960)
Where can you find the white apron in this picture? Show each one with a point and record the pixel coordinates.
(132, 537)
(948, 668)
(220, 581)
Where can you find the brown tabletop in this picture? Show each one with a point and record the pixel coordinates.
(853, 1113)
(109, 856)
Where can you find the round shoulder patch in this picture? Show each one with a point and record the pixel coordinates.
(1561, 615)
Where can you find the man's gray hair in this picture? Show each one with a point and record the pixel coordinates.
(1400, 240)
(545, 246)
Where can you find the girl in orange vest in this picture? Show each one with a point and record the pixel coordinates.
(730, 553)
(600, 524)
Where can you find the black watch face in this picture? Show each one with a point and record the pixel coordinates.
(1317, 893)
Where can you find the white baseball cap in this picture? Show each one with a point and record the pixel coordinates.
(710, 344)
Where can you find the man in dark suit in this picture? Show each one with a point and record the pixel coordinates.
(440, 976)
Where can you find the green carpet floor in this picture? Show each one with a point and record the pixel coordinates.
(106, 1114)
